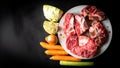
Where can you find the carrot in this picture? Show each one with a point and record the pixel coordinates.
(64, 58)
(50, 46)
(56, 52)
(53, 44)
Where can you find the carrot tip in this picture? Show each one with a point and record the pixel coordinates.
(50, 58)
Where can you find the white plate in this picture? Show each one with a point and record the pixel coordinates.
(62, 37)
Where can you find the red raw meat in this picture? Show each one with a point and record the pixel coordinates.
(93, 13)
(97, 15)
(68, 24)
(88, 9)
(98, 32)
(71, 41)
(80, 24)
(86, 47)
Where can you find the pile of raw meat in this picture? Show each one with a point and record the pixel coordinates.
(85, 32)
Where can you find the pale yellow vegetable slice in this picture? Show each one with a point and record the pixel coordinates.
(50, 27)
(52, 13)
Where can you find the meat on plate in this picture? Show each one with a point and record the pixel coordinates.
(84, 31)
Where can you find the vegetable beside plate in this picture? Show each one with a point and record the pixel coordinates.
(52, 13)
(72, 63)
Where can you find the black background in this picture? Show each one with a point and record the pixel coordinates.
(21, 31)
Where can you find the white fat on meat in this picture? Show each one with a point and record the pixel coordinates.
(98, 32)
(83, 40)
(80, 24)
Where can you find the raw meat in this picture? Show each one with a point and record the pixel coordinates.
(97, 15)
(68, 24)
(98, 32)
(87, 10)
(93, 13)
(72, 41)
(80, 24)
(86, 47)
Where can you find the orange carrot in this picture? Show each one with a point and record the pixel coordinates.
(53, 44)
(56, 52)
(50, 46)
(65, 58)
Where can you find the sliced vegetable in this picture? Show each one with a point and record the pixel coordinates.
(56, 52)
(50, 27)
(50, 46)
(52, 13)
(71, 63)
(52, 39)
(65, 58)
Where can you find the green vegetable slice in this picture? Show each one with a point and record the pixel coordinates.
(50, 27)
(72, 63)
(52, 13)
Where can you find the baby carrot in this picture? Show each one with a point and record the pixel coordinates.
(50, 46)
(65, 58)
(56, 52)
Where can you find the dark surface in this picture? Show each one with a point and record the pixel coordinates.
(21, 31)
